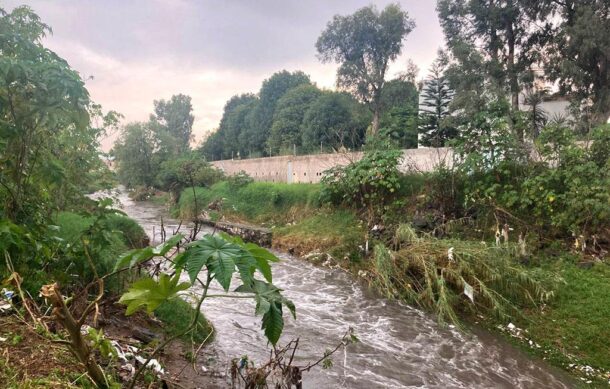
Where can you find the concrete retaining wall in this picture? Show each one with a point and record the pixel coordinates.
(310, 168)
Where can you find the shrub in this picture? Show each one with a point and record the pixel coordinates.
(368, 185)
(239, 180)
(176, 174)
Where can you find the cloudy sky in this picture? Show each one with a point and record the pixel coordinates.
(136, 51)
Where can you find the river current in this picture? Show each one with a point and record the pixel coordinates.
(399, 347)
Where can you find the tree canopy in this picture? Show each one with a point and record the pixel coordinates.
(364, 44)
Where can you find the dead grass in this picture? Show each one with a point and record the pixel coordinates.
(29, 360)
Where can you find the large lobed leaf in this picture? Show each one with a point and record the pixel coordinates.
(150, 294)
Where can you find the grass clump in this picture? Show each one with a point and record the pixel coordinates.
(439, 275)
(177, 314)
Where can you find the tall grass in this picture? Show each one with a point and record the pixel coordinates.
(257, 201)
(435, 274)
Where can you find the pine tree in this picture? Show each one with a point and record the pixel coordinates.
(434, 108)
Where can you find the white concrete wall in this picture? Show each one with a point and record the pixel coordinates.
(310, 168)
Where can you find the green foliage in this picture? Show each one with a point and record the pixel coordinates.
(150, 294)
(572, 194)
(257, 201)
(99, 342)
(134, 152)
(219, 257)
(191, 170)
(488, 139)
(49, 129)
(172, 123)
(563, 193)
(369, 184)
(494, 46)
(579, 51)
(239, 180)
(364, 44)
(288, 118)
(333, 120)
(399, 101)
(435, 128)
(134, 257)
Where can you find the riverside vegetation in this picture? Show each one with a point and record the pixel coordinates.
(73, 267)
(517, 244)
(514, 233)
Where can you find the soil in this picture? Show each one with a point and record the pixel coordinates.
(28, 356)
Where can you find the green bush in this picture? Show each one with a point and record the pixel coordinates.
(102, 237)
(369, 185)
(176, 174)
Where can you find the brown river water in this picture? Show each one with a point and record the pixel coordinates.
(400, 346)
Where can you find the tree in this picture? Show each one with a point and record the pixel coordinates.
(246, 124)
(334, 120)
(173, 123)
(288, 118)
(578, 57)
(364, 44)
(399, 102)
(42, 102)
(211, 147)
(134, 152)
(233, 124)
(495, 43)
(270, 93)
(434, 106)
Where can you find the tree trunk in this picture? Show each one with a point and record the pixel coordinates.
(375, 123)
(78, 344)
(513, 76)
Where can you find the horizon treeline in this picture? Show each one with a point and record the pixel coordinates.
(291, 114)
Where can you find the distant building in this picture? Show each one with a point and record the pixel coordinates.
(553, 105)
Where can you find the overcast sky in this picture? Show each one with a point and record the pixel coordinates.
(137, 51)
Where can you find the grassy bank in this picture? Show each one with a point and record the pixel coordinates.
(300, 223)
(177, 314)
(576, 322)
(569, 330)
(258, 202)
(127, 234)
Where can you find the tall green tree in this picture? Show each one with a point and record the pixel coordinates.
(261, 118)
(364, 44)
(288, 118)
(134, 151)
(233, 124)
(173, 123)
(578, 57)
(434, 128)
(334, 120)
(399, 102)
(495, 43)
(44, 112)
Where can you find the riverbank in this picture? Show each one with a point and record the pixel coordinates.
(566, 331)
(31, 358)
